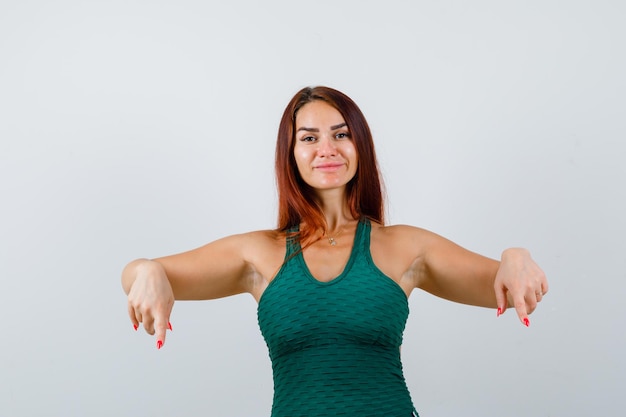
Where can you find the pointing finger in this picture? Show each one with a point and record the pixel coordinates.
(520, 308)
(160, 330)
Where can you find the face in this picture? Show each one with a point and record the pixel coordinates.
(324, 151)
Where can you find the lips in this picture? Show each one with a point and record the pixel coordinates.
(329, 167)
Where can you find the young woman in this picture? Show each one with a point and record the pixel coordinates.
(332, 281)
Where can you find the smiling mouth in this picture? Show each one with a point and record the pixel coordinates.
(329, 166)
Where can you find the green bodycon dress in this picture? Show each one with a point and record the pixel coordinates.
(335, 346)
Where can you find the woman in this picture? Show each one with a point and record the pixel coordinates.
(332, 281)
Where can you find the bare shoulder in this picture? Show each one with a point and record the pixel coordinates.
(264, 251)
(266, 241)
(261, 246)
(399, 252)
(261, 238)
(243, 245)
(413, 242)
(402, 235)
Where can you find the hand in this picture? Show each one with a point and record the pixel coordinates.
(150, 299)
(520, 283)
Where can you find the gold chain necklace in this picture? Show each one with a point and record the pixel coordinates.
(332, 239)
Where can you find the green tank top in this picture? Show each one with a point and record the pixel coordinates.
(335, 346)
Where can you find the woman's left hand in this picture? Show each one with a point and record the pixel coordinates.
(519, 283)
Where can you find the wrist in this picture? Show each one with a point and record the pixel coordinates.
(513, 253)
(135, 268)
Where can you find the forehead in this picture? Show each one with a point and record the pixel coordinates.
(318, 114)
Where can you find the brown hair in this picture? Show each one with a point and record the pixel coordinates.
(296, 200)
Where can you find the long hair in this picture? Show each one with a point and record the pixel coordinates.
(296, 200)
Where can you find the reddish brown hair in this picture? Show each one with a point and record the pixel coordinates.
(296, 200)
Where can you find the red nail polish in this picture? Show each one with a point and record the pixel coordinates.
(526, 321)
(135, 327)
(169, 325)
(499, 312)
(159, 344)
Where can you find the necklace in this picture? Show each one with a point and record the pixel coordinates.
(332, 239)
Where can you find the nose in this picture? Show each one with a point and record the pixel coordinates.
(326, 147)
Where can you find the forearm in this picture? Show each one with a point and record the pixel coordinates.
(463, 277)
(481, 290)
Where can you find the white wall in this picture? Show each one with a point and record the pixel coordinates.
(142, 128)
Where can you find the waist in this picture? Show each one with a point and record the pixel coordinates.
(341, 377)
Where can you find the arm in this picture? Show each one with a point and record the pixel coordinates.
(218, 269)
(454, 273)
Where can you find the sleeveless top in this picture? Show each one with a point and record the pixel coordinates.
(335, 346)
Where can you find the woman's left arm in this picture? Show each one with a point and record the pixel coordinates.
(454, 273)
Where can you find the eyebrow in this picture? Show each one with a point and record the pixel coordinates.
(314, 129)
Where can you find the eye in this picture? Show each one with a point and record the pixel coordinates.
(342, 135)
(307, 139)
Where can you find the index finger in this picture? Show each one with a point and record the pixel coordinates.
(160, 329)
(522, 312)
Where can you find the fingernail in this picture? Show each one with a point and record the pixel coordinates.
(169, 325)
(526, 321)
(135, 327)
(499, 312)
(159, 344)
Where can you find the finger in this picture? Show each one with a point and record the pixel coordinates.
(522, 312)
(543, 288)
(161, 326)
(148, 324)
(531, 305)
(133, 316)
(539, 295)
(501, 302)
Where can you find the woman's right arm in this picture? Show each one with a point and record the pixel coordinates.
(218, 269)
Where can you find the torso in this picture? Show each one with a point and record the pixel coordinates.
(393, 249)
(333, 323)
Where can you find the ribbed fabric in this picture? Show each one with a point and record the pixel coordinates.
(335, 346)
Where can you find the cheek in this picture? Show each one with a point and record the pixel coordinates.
(355, 162)
(353, 156)
(300, 157)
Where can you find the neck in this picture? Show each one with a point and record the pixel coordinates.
(336, 211)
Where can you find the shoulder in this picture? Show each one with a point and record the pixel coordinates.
(257, 238)
(401, 234)
(250, 248)
(413, 241)
(257, 242)
(400, 252)
(263, 250)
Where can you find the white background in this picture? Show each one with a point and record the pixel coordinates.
(143, 128)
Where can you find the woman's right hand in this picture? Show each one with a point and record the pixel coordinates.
(150, 297)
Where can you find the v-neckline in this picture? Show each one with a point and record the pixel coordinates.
(353, 252)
